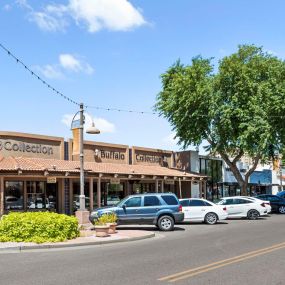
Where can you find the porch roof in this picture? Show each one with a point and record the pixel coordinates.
(12, 164)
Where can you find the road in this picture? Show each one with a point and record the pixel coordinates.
(233, 252)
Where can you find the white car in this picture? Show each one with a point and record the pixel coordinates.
(202, 210)
(241, 207)
(267, 203)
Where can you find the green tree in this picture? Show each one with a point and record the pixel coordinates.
(239, 109)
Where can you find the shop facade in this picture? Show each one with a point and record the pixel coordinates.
(40, 173)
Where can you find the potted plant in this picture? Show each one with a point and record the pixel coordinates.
(101, 226)
(112, 222)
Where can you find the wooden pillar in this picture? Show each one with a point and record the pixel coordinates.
(71, 195)
(1, 195)
(25, 196)
(162, 186)
(156, 185)
(61, 187)
(99, 192)
(91, 193)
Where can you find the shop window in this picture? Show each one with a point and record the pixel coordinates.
(76, 193)
(115, 192)
(14, 193)
(36, 198)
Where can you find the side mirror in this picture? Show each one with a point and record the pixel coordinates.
(124, 207)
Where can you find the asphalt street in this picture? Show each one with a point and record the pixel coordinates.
(232, 252)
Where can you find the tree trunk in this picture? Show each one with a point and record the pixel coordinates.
(243, 182)
(244, 188)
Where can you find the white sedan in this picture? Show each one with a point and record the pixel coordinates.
(202, 210)
(267, 203)
(241, 207)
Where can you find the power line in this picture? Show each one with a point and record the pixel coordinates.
(37, 76)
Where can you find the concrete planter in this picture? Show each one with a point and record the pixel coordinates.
(112, 229)
(102, 231)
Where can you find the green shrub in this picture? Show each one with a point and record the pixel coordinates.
(112, 218)
(37, 227)
(102, 221)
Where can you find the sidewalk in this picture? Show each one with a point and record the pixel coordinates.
(120, 236)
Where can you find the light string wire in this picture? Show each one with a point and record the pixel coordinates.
(64, 96)
(37, 76)
(87, 106)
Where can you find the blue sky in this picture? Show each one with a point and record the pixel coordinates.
(110, 53)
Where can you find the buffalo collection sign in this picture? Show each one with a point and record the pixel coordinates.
(15, 146)
(149, 158)
(115, 155)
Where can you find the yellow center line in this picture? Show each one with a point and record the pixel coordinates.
(221, 263)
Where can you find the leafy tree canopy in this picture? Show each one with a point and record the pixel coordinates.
(239, 109)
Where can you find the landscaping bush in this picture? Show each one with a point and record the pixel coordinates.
(37, 227)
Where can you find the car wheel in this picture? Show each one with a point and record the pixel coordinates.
(252, 214)
(281, 209)
(165, 223)
(211, 218)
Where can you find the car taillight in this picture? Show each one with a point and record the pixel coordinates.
(180, 208)
(263, 204)
(225, 208)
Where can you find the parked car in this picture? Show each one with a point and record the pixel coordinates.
(243, 207)
(160, 209)
(201, 210)
(277, 203)
(281, 194)
(267, 203)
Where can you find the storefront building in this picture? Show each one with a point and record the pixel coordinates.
(42, 173)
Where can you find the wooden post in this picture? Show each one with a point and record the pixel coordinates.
(156, 185)
(180, 190)
(99, 191)
(162, 186)
(1, 195)
(71, 195)
(91, 193)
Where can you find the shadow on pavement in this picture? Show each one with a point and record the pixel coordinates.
(202, 224)
(146, 228)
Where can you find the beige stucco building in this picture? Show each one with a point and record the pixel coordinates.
(41, 173)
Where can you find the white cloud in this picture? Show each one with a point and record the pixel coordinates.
(73, 63)
(48, 22)
(115, 15)
(50, 71)
(102, 124)
(67, 62)
(170, 141)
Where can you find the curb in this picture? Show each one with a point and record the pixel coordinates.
(57, 245)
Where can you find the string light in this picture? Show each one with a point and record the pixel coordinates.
(64, 96)
(89, 106)
(121, 110)
(38, 77)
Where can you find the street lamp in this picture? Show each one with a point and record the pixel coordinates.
(90, 130)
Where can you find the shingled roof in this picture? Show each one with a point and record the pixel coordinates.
(12, 164)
